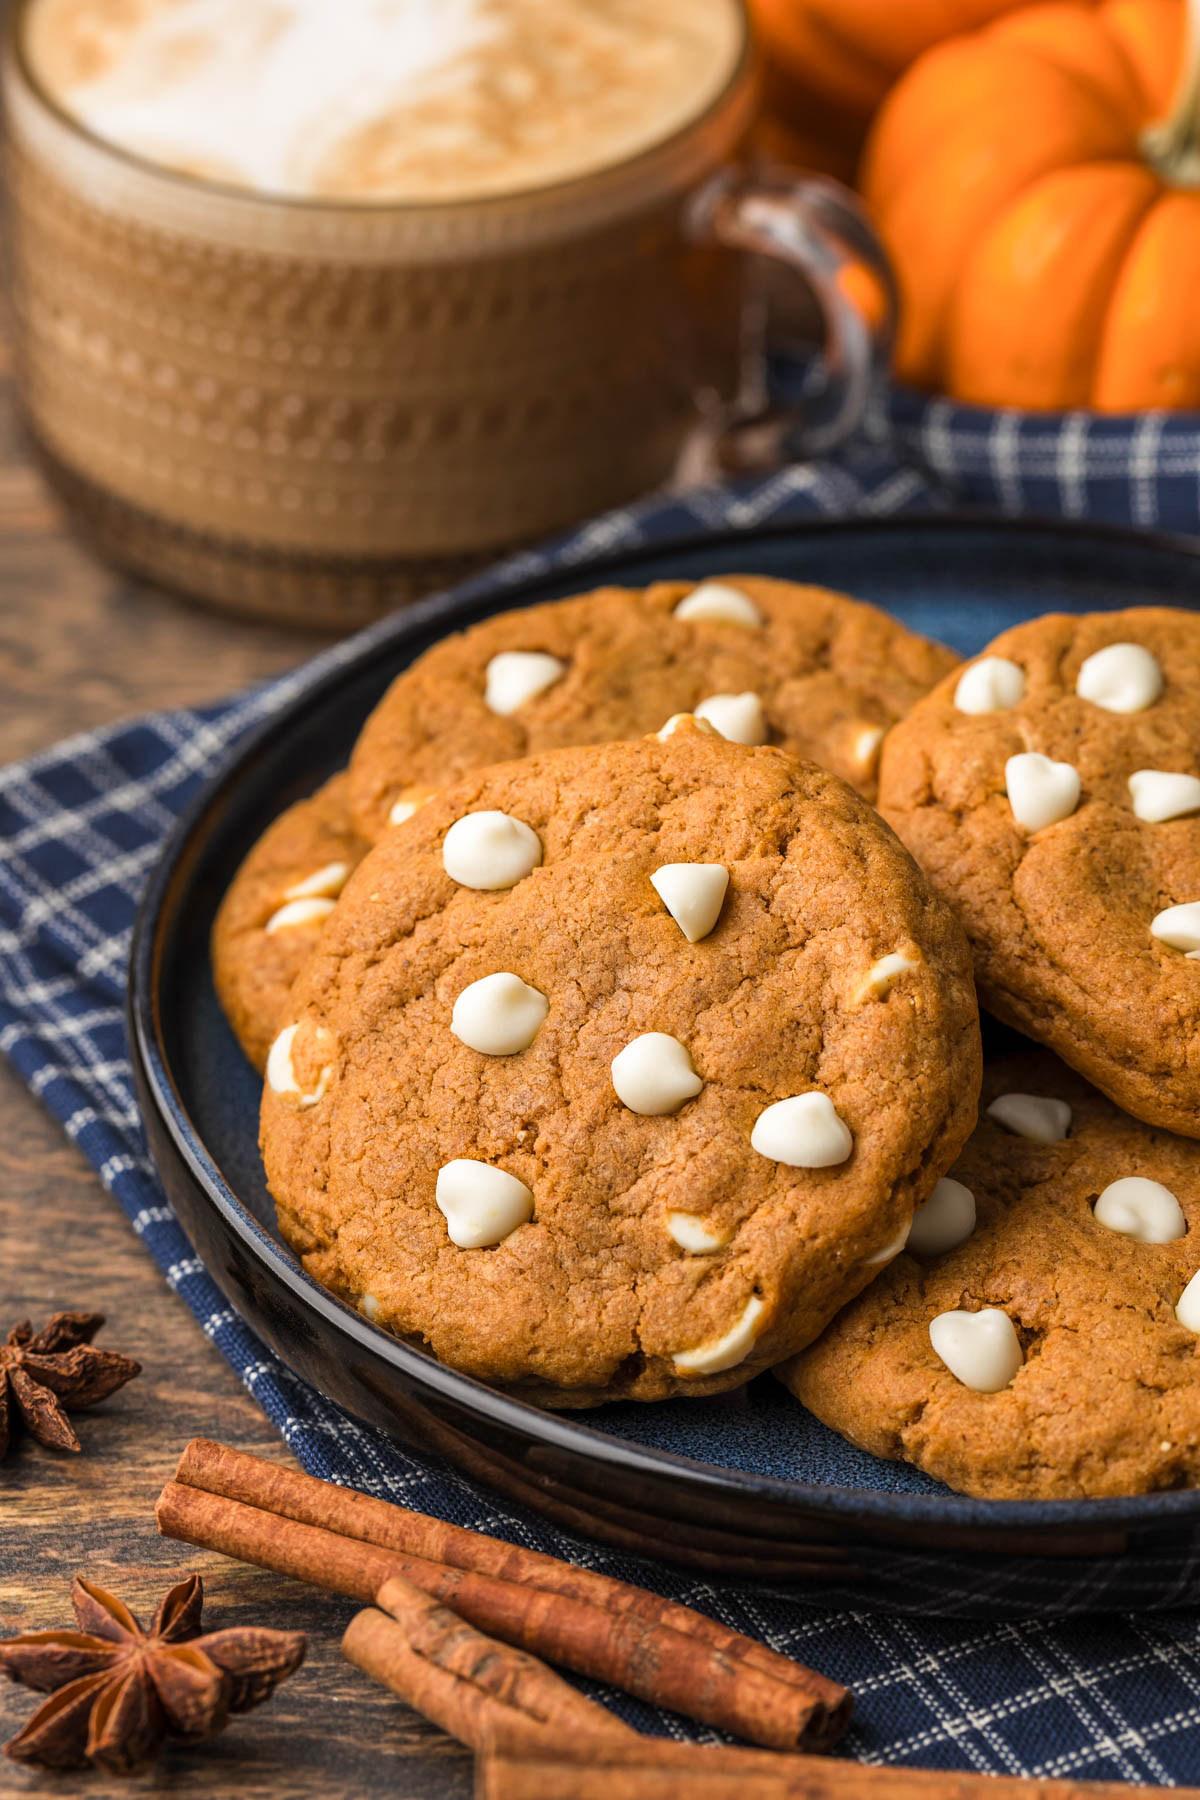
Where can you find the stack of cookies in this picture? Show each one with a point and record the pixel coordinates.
(1039, 1337)
(615, 1047)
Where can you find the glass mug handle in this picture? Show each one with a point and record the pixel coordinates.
(819, 229)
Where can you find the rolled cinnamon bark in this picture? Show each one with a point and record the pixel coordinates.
(217, 1469)
(478, 1690)
(650, 1660)
(657, 1769)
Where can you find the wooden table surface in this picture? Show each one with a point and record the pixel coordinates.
(79, 646)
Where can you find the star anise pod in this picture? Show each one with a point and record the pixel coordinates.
(44, 1373)
(116, 1690)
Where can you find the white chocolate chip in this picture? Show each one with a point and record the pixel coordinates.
(516, 676)
(369, 1307)
(1188, 1309)
(891, 1249)
(1179, 926)
(1040, 792)
(1140, 1209)
(654, 1075)
(946, 1220)
(804, 1131)
(738, 717)
(688, 721)
(865, 750)
(281, 1077)
(882, 976)
(693, 1234)
(1158, 794)
(1122, 678)
(281, 1073)
(499, 1015)
(693, 894)
(726, 1351)
(482, 1204)
(717, 601)
(980, 1349)
(318, 1093)
(298, 912)
(1034, 1116)
(326, 883)
(993, 684)
(410, 801)
(490, 850)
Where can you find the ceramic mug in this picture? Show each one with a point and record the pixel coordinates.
(316, 409)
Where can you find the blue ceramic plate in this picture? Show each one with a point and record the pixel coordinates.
(747, 1483)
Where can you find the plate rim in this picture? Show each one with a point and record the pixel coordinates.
(453, 608)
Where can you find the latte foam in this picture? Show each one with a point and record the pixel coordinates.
(413, 100)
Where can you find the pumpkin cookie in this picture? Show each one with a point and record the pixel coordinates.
(1051, 792)
(276, 908)
(1041, 1338)
(620, 1068)
(765, 661)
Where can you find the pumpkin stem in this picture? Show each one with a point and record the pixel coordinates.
(1173, 145)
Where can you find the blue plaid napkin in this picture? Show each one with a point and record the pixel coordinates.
(81, 824)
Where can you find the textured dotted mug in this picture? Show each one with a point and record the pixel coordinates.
(314, 307)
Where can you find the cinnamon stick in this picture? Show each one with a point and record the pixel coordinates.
(654, 1662)
(294, 1495)
(476, 1689)
(659, 1769)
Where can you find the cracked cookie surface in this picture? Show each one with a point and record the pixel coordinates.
(1106, 1400)
(830, 674)
(576, 1223)
(1022, 813)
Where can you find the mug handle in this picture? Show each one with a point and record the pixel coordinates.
(820, 229)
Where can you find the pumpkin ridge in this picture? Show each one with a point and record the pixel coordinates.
(800, 39)
(1053, 45)
(826, 28)
(887, 162)
(1150, 352)
(998, 97)
(1172, 144)
(1115, 300)
(1137, 76)
(1046, 109)
(931, 267)
(1136, 25)
(1033, 299)
(898, 34)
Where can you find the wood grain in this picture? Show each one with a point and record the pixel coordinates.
(79, 646)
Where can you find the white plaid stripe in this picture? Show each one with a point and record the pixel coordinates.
(1071, 460)
(1143, 468)
(1138, 470)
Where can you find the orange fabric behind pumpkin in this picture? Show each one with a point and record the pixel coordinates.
(1042, 262)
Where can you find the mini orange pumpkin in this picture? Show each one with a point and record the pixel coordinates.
(830, 63)
(1046, 234)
